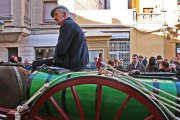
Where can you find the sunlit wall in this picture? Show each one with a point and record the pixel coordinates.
(119, 5)
(74, 5)
(170, 6)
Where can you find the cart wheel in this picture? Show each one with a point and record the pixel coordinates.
(155, 113)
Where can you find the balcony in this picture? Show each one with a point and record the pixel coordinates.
(149, 18)
(11, 31)
(149, 21)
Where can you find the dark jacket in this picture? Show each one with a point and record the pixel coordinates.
(151, 68)
(144, 62)
(131, 67)
(71, 50)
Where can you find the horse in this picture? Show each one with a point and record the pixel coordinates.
(12, 86)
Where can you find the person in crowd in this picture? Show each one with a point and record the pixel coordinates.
(164, 67)
(140, 58)
(14, 59)
(71, 51)
(151, 67)
(174, 65)
(27, 65)
(165, 59)
(135, 65)
(120, 65)
(178, 57)
(158, 60)
(145, 61)
(20, 60)
(99, 64)
(93, 64)
(174, 59)
(115, 63)
(111, 62)
(100, 56)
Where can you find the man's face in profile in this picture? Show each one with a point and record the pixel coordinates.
(59, 17)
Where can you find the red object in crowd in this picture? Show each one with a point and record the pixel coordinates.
(98, 64)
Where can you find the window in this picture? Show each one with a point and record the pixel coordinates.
(177, 49)
(94, 54)
(48, 6)
(12, 51)
(44, 52)
(5, 8)
(147, 10)
(27, 11)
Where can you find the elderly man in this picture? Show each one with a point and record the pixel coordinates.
(71, 51)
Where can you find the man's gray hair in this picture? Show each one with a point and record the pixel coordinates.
(61, 8)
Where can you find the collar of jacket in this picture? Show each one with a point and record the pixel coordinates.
(65, 21)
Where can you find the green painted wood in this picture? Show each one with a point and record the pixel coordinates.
(111, 98)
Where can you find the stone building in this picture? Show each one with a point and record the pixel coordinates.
(29, 31)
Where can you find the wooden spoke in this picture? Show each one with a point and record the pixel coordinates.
(122, 107)
(59, 109)
(78, 104)
(99, 82)
(98, 103)
(149, 117)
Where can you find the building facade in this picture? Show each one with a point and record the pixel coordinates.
(74, 5)
(29, 31)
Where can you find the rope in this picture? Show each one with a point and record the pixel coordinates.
(168, 111)
(141, 88)
(138, 81)
(17, 113)
(141, 85)
(41, 90)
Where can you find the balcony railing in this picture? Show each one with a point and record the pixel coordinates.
(149, 17)
(26, 19)
(6, 17)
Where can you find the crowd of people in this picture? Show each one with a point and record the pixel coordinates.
(17, 60)
(71, 51)
(142, 64)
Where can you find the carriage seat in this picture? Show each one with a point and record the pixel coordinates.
(52, 69)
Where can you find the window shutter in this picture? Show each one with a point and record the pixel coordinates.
(5, 8)
(48, 6)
